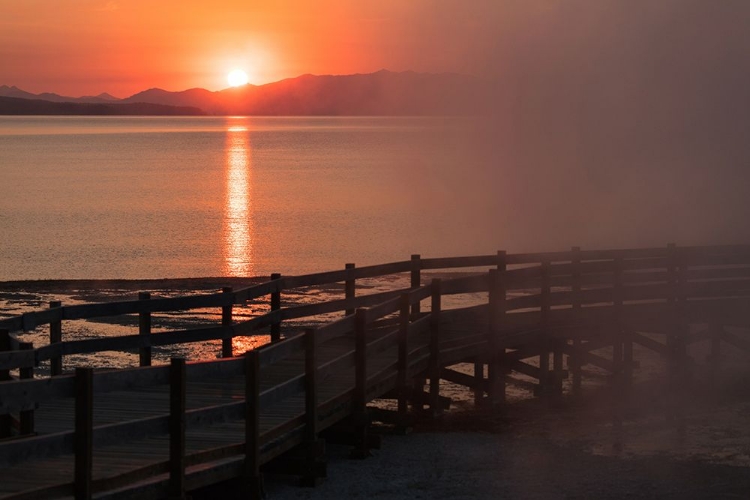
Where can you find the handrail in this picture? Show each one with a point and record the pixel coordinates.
(643, 269)
(695, 256)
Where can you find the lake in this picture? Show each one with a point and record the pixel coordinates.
(163, 197)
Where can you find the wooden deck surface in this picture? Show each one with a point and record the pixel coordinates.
(123, 461)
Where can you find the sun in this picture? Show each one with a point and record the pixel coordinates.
(237, 77)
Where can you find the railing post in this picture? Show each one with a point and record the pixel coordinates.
(544, 385)
(26, 416)
(55, 336)
(84, 432)
(435, 348)
(311, 409)
(673, 330)
(361, 419)
(618, 375)
(349, 287)
(682, 373)
(617, 341)
(226, 321)
(403, 355)
(416, 278)
(275, 306)
(177, 427)
(253, 477)
(5, 419)
(575, 361)
(496, 353)
(311, 389)
(144, 329)
(625, 333)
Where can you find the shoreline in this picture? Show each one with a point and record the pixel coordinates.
(59, 285)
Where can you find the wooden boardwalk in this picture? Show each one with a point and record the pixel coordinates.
(161, 431)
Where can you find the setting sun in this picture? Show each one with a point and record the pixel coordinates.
(237, 77)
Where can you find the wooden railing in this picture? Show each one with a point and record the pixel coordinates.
(645, 275)
(86, 384)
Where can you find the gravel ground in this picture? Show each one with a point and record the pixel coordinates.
(535, 451)
(475, 465)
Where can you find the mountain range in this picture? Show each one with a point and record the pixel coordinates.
(380, 93)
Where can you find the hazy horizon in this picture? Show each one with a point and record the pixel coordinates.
(222, 89)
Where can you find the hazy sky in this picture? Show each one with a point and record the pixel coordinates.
(79, 47)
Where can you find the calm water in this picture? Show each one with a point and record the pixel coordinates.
(153, 197)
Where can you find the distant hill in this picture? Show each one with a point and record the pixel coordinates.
(200, 98)
(6, 91)
(380, 93)
(19, 106)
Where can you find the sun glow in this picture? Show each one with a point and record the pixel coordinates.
(237, 77)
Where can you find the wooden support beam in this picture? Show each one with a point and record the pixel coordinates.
(675, 338)
(403, 355)
(311, 475)
(573, 361)
(26, 416)
(459, 378)
(496, 355)
(177, 428)
(55, 336)
(557, 366)
(734, 340)
(416, 279)
(144, 328)
(618, 393)
(591, 358)
(360, 416)
(6, 423)
(84, 432)
(311, 387)
(435, 347)
(349, 287)
(275, 306)
(226, 320)
(617, 337)
(524, 368)
(479, 385)
(252, 476)
(544, 372)
(650, 343)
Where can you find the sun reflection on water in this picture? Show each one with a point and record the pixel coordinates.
(238, 244)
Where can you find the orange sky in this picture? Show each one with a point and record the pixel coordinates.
(77, 47)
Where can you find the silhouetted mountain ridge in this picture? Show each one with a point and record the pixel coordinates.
(380, 93)
(20, 106)
(6, 91)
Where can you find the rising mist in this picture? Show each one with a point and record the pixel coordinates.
(613, 124)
